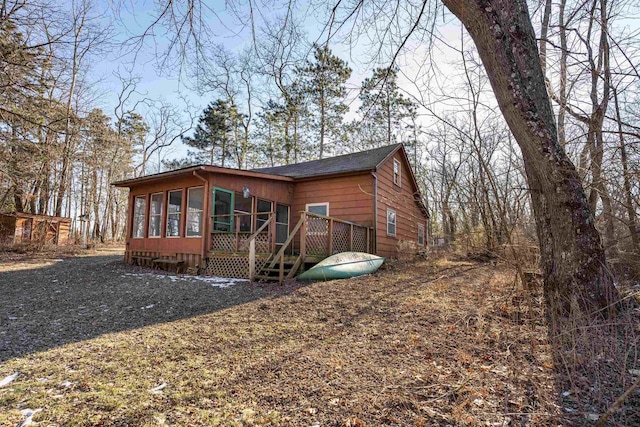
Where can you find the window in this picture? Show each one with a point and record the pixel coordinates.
(194, 212)
(264, 208)
(139, 212)
(391, 222)
(242, 209)
(282, 223)
(397, 178)
(173, 213)
(222, 210)
(318, 208)
(155, 215)
(421, 234)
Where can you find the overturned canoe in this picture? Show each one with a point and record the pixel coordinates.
(343, 266)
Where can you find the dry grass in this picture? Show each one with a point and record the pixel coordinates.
(445, 343)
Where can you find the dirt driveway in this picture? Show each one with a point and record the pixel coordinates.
(50, 303)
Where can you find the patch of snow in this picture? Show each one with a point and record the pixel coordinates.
(218, 282)
(29, 413)
(158, 389)
(147, 307)
(8, 380)
(592, 417)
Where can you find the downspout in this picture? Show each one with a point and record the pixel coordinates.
(375, 211)
(205, 219)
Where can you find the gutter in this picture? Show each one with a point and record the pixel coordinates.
(205, 219)
(375, 210)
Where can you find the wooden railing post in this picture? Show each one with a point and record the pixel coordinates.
(252, 260)
(330, 225)
(281, 272)
(351, 237)
(303, 236)
(272, 224)
(369, 240)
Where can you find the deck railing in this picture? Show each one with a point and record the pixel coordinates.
(313, 237)
(321, 236)
(239, 236)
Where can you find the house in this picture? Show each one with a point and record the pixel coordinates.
(251, 223)
(21, 227)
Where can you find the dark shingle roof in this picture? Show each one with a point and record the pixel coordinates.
(354, 162)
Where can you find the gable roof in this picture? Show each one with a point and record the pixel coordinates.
(354, 162)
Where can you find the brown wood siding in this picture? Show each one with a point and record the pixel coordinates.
(401, 200)
(350, 198)
(64, 232)
(275, 191)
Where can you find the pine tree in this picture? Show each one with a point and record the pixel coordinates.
(213, 135)
(324, 83)
(383, 108)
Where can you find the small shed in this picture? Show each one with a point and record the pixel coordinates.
(21, 227)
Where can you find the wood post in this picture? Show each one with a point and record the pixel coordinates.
(236, 228)
(272, 231)
(303, 237)
(252, 260)
(369, 240)
(351, 237)
(281, 272)
(330, 248)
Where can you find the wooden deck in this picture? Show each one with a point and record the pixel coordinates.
(269, 254)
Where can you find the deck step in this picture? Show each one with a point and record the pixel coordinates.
(276, 270)
(267, 278)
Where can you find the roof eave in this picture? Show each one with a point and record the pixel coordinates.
(333, 175)
(128, 183)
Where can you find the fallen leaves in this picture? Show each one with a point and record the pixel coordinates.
(400, 349)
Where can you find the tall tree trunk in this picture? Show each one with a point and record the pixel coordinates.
(628, 197)
(562, 139)
(573, 260)
(543, 35)
(68, 140)
(322, 123)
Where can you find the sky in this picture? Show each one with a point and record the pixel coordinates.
(167, 83)
(437, 61)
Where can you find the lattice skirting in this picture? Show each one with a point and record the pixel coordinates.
(231, 266)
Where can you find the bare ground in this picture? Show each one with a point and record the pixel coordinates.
(432, 343)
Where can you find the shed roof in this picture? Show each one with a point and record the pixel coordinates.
(354, 162)
(36, 216)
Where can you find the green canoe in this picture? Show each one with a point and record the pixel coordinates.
(343, 266)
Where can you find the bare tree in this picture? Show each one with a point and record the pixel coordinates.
(86, 35)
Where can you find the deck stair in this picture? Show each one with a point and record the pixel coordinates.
(271, 273)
